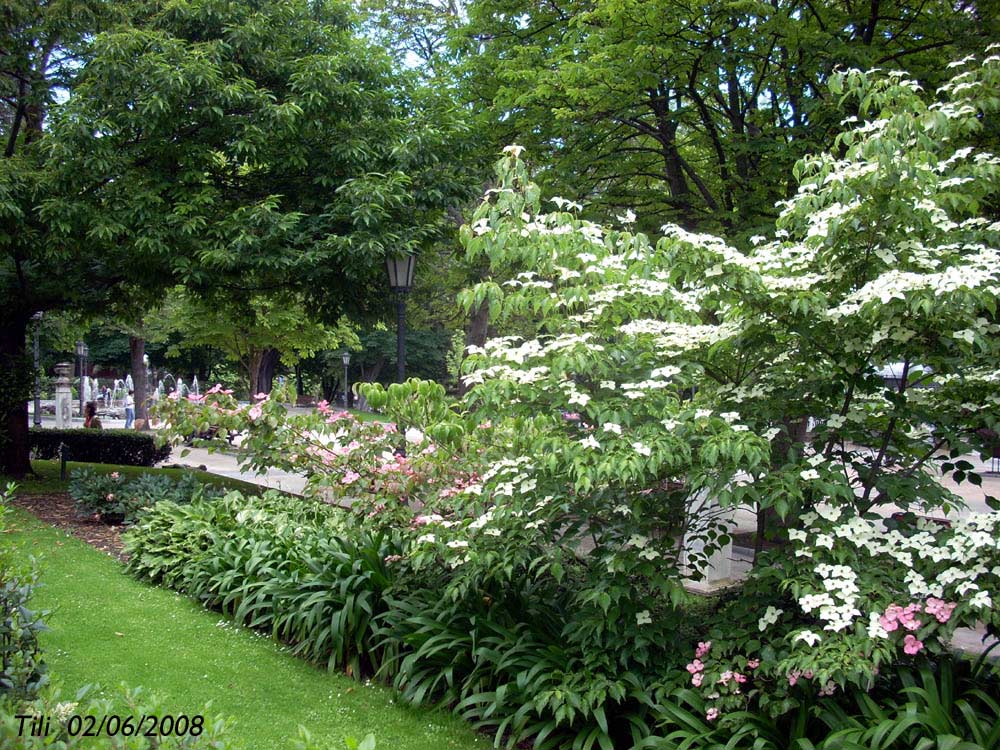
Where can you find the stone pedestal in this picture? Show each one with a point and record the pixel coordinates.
(718, 571)
(64, 395)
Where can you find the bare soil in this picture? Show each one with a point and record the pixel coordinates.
(57, 509)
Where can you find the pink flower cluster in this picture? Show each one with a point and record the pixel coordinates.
(728, 675)
(696, 667)
(217, 388)
(895, 616)
(323, 407)
(460, 484)
(939, 608)
(795, 675)
(911, 645)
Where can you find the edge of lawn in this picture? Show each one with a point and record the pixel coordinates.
(109, 628)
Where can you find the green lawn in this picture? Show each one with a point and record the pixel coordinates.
(48, 476)
(108, 628)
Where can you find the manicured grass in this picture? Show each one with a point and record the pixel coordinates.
(48, 476)
(108, 628)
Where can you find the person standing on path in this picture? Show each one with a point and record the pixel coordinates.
(129, 409)
(90, 419)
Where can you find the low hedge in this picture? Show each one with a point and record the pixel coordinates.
(123, 447)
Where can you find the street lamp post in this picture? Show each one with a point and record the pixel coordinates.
(345, 357)
(37, 317)
(400, 282)
(82, 350)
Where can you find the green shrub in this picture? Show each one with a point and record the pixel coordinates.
(507, 666)
(277, 564)
(117, 499)
(934, 707)
(22, 670)
(123, 447)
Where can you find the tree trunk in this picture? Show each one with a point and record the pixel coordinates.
(262, 366)
(475, 333)
(137, 352)
(15, 385)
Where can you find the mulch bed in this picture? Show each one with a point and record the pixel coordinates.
(57, 509)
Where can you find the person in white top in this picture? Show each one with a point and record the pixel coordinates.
(129, 410)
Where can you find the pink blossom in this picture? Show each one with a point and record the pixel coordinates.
(793, 677)
(389, 559)
(571, 416)
(255, 412)
(696, 679)
(262, 397)
(695, 666)
(109, 497)
(485, 425)
(424, 520)
(808, 674)
(174, 395)
(712, 714)
(740, 678)
(725, 677)
(911, 645)
(323, 406)
(888, 624)
(940, 609)
(753, 663)
(703, 648)
(115, 475)
(350, 477)
(388, 427)
(194, 398)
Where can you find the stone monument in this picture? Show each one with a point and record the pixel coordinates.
(64, 395)
(718, 569)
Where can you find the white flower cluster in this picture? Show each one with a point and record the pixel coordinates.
(957, 563)
(677, 337)
(979, 270)
(839, 608)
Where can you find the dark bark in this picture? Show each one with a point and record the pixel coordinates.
(137, 352)
(15, 386)
(475, 333)
(262, 375)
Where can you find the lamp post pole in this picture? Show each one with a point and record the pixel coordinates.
(400, 337)
(37, 419)
(400, 282)
(81, 354)
(345, 357)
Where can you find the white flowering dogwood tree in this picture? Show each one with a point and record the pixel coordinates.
(641, 383)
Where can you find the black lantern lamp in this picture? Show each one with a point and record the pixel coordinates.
(400, 282)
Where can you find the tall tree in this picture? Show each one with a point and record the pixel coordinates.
(692, 112)
(256, 334)
(236, 147)
(42, 46)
